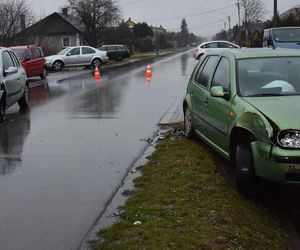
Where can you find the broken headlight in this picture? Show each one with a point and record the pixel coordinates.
(289, 139)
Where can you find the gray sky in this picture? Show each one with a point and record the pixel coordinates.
(169, 13)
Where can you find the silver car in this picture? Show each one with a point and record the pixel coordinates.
(13, 82)
(212, 45)
(77, 56)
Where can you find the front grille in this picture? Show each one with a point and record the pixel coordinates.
(293, 176)
(287, 159)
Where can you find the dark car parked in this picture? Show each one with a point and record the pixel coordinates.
(116, 51)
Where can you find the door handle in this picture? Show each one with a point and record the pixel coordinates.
(192, 92)
(205, 102)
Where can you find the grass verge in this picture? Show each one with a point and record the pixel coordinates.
(183, 202)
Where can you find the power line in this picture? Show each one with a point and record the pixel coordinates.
(133, 2)
(163, 19)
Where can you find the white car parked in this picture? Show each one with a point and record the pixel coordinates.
(13, 82)
(77, 56)
(211, 45)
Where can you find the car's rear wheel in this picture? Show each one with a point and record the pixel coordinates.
(188, 125)
(96, 63)
(244, 169)
(44, 73)
(57, 65)
(24, 101)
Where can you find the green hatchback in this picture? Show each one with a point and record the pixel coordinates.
(246, 105)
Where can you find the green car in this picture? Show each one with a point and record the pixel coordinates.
(246, 105)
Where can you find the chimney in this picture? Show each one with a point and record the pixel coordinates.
(65, 11)
(22, 22)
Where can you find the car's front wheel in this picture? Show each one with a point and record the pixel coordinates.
(188, 125)
(24, 101)
(244, 169)
(96, 63)
(57, 65)
(43, 75)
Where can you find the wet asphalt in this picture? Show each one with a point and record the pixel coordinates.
(62, 161)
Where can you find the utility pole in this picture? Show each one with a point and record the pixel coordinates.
(239, 12)
(229, 27)
(275, 16)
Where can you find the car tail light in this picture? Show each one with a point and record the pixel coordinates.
(196, 49)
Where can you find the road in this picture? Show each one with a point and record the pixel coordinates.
(62, 162)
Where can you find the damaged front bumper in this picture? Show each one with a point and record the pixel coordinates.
(276, 164)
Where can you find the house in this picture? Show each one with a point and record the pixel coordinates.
(53, 33)
(158, 30)
(130, 23)
(295, 11)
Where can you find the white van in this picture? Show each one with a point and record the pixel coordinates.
(282, 37)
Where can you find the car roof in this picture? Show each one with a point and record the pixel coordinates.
(256, 52)
(280, 28)
(106, 45)
(217, 41)
(24, 46)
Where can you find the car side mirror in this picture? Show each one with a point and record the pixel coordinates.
(68, 54)
(10, 70)
(218, 91)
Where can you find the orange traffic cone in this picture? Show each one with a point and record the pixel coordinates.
(97, 75)
(148, 71)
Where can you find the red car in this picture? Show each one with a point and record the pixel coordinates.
(32, 59)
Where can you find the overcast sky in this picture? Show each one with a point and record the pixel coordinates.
(204, 17)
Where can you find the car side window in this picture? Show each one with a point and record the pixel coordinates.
(112, 48)
(15, 59)
(36, 53)
(212, 45)
(29, 55)
(87, 50)
(223, 45)
(207, 71)
(222, 75)
(198, 74)
(7, 60)
(74, 52)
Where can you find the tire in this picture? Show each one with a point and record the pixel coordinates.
(24, 102)
(2, 111)
(57, 65)
(187, 124)
(44, 73)
(119, 58)
(244, 169)
(96, 62)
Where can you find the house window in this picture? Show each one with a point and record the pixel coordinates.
(66, 41)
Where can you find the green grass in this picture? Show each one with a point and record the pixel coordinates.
(183, 202)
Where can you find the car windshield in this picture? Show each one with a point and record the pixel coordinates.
(19, 52)
(287, 35)
(269, 76)
(62, 52)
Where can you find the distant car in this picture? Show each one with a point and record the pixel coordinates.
(77, 56)
(32, 59)
(212, 45)
(13, 82)
(116, 51)
(244, 104)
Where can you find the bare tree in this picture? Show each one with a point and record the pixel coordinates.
(253, 11)
(14, 14)
(96, 15)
